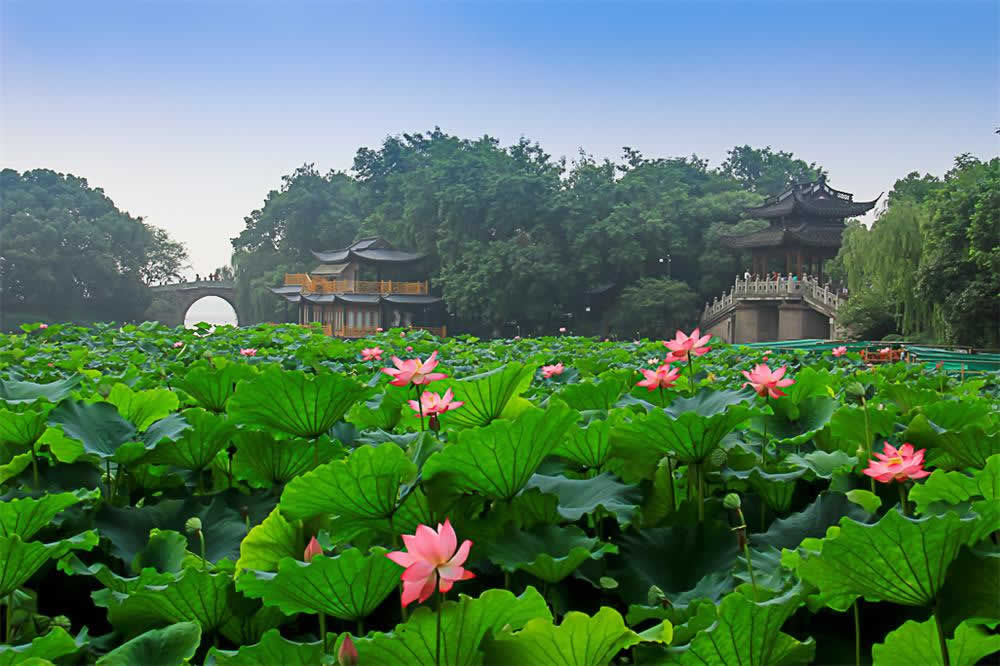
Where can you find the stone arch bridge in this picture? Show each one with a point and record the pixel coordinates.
(171, 301)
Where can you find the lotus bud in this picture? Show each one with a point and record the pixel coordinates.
(433, 423)
(732, 501)
(62, 621)
(718, 458)
(861, 453)
(855, 390)
(312, 550)
(347, 655)
(193, 525)
(655, 596)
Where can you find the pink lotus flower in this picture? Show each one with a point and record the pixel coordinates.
(371, 354)
(654, 361)
(897, 464)
(562, 329)
(767, 353)
(767, 382)
(885, 351)
(402, 334)
(178, 344)
(517, 337)
(431, 560)
(379, 329)
(249, 351)
(43, 326)
(414, 371)
(432, 403)
(549, 370)
(312, 550)
(839, 351)
(682, 345)
(409, 348)
(663, 377)
(347, 654)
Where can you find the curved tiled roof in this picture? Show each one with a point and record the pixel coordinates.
(368, 249)
(816, 199)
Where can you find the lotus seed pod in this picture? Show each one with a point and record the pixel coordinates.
(193, 525)
(855, 390)
(62, 621)
(655, 596)
(718, 458)
(732, 501)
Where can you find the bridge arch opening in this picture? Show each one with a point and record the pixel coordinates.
(211, 310)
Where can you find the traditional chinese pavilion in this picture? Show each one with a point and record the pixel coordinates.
(806, 226)
(365, 286)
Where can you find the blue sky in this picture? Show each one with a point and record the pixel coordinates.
(189, 112)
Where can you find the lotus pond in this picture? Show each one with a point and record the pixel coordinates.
(269, 495)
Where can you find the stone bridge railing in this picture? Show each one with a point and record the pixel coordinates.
(782, 289)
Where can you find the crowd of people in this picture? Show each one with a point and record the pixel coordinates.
(211, 277)
(793, 278)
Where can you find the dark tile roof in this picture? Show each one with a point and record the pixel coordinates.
(410, 299)
(815, 199)
(805, 235)
(368, 249)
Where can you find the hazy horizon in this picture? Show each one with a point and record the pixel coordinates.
(188, 114)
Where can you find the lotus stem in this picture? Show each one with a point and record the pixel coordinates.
(34, 466)
(857, 634)
(437, 651)
(322, 629)
(670, 484)
(902, 499)
(204, 560)
(111, 489)
(691, 372)
(420, 406)
(763, 446)
(506, 580)
(8, 636)
(700, 489)
(945, 659)
(746, 552)
(868, 440)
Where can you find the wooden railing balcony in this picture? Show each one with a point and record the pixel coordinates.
(817, 295)
(325, 286)
(364, 331)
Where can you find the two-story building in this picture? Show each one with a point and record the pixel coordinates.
(368, 285)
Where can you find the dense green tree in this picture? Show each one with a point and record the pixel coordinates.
(655, 307)
(766, 171)
(67, 252)
(959, 273)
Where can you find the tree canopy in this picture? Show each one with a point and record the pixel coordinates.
(513, 235)
(944, 277)
(67, 252)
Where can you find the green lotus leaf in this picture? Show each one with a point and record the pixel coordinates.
(113, 583)
(968, 446)
(897, 559)
(98, 426)
(708, 547)
(365, 485)
(907, 397)
(809, 383)
(208, 599)
(464, 625)
(211, 385)
(142, 408)
(918, 643)
(847, 426)
(292, 402)
(775, 487)
(602, 394)
(749, 633)
(588, 447)
(198, 445)
(267, 543)
(497, 460)
(821, 464)
(24, 517)
(383, 410)
(531, 507)
(157, 647)
(42, 650)
(580, 640)
(270, 651)
(580, 497)
(813, 414)
(14, 392)
(14, 466)
(19, 559)
(21, 429)
(970, 590)
(348, 586)
(690, 429)
(486, 395)
(264, 461)
(950, 488)
(957, 414)
(550, 553)
(127, 529)
(866, 499)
